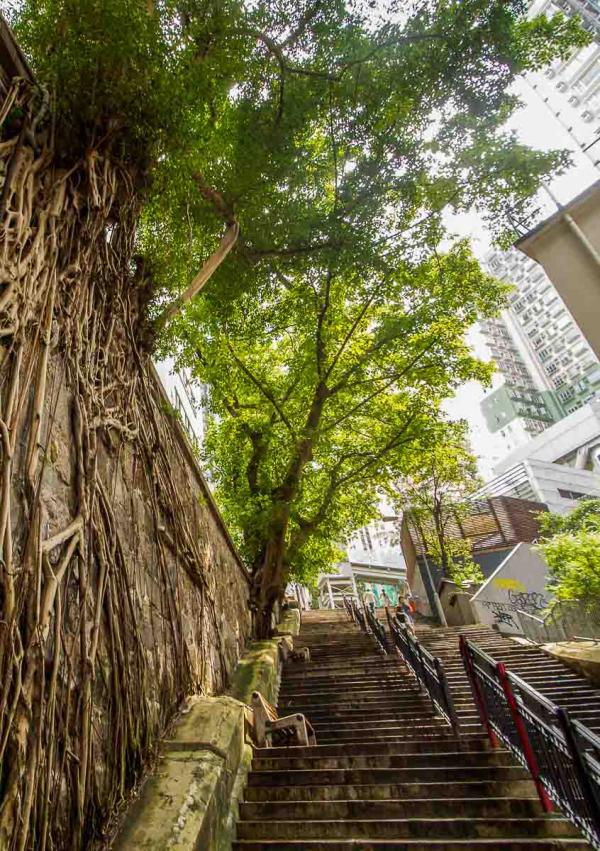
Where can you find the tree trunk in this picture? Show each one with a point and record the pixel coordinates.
(269, 579)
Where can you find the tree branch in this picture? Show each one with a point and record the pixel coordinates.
(307, 527)
(343, 381)
(201, 279)
(319, 343)
(302, 24)
(349, 335)
(361, 404)
(345, 65)
(293, 250)
(264, 390)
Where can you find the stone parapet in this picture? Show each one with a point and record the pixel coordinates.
(191, 800)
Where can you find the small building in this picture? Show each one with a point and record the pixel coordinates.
(517, 585)
(493, 526)
(352, 576)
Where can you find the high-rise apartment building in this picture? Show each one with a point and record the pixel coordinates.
(588, 11)
(186, 396)
(548, 367)
(570, 88)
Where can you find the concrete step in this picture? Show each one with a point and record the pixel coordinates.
(393, 808)
(390, 675)
(398, 686)
(439, 828)
(416, 760)
(530, 844)
(463, 790)
(438, 743)
(350, 695)
(374, 716)
(325, 728)
(380, 722)
(345, 776)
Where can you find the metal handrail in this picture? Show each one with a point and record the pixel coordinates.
(377, 630)
(566, 620)
(533, 627)
(355, 613)
(348, 606)
(561, 754)
(428, 671)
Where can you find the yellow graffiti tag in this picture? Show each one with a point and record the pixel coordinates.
(509, 584)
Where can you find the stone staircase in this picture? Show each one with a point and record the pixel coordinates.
(386, 772)
(547, 675)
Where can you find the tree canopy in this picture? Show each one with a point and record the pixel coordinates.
(296, 160)
(437, 494)
(321, 392)
(316, 126)
(571, 546)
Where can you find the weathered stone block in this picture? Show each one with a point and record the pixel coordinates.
(186, 802)
(258, 670)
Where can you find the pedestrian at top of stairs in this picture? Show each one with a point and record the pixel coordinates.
(369, 598)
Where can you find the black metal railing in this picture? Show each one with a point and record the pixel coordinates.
(428, 670)
(365, 617)
(349, 608)
(356, 613)
(376, 629)
(561, 754)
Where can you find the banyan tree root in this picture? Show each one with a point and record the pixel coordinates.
(93, 658)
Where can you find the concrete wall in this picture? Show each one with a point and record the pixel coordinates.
(548, 480)
(121, 593)
(456, 604)
(518, 583)
(560, 441)
(568, 247)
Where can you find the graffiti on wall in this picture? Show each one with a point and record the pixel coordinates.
(504, 614)
(527, 601)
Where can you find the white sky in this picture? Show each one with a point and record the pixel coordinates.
(538, 128)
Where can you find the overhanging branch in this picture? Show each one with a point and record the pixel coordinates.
(201, 279)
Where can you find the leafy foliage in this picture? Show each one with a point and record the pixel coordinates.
(316, 125)
(437, 496)
(571, 546)
(330, 139)
(321, 393)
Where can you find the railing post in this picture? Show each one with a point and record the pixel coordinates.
(477, 694)
(523, 737)
(439, 668)
(388, 618)
(589, 793)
